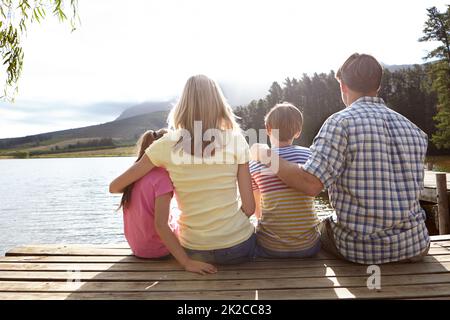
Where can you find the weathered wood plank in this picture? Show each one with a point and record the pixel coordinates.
(132, 259)
(87, 251)
(217, 285)
(388, 292)
(443, 237)
(172, 265)
(68, 250)
(443, 205)
(429, 179)
(430, 187)
(208, 295)
(273, 273)
(428, 194)
(258, 263)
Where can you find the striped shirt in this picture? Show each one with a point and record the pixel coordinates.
(370, 159)
(288, 221)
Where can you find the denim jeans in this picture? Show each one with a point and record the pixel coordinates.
(262, 252)
(237, 254)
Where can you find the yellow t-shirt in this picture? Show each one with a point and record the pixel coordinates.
(206, 191)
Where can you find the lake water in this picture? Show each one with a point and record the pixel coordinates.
(62, 201)
(59, 201)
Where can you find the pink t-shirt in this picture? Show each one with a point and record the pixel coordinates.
(139, 217)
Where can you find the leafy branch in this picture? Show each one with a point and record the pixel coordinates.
(15, 18)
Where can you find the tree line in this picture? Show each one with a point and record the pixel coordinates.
(408, 91)
(420, 92)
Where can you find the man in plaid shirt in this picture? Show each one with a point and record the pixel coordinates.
(370, 159)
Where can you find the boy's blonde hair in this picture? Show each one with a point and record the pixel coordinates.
(202, 100)
(285, 118)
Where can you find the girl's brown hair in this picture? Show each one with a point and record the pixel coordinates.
(143, 143)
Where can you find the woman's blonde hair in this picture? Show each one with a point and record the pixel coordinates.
(202, 100)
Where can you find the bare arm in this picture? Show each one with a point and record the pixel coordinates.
(135, 172)
(245, 189)
(295, 177)
(162, 210)
(257, 196)
(291, 174)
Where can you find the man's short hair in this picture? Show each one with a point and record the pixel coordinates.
(361, 73)
(285, 118)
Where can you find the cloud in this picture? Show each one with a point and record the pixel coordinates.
(31, 117)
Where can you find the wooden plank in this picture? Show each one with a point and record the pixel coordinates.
(68, 250)
(121, 249)
(442, 243)
(125, 245)
(443, 205)
(132, 259)
(76, 259)
(273, 273)
(217, 285)
(172, 265)
(428, 194)
(388, 292)
(64, 250)
(430, 179)
(208, 295)
(433, 298)
(257, 264)
(443, 237)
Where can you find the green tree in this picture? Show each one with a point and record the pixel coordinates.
(15, 18)
(437, 28)
(275, 94)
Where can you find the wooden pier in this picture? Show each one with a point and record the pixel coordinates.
(437, 190)
(111, 272)
(430, 188)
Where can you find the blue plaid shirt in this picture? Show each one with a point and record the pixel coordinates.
(370, 159)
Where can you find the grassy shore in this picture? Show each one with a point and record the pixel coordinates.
(112, 152)
(441, 163)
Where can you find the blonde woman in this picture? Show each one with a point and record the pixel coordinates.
(207, 157)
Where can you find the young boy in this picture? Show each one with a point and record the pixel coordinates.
(287, 226)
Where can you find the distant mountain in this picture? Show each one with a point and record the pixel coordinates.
(127, 130)
(146, 107)
(236, 94)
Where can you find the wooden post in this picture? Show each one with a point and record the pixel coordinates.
(430, 166)
(442, 200)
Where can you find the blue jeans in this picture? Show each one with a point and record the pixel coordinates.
(262, 252)
(242, 252)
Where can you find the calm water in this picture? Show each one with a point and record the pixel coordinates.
(62, 201)
(59, 201)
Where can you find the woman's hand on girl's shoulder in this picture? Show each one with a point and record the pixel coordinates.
(199, 267)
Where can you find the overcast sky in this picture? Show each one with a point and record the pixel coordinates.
(126, 52)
